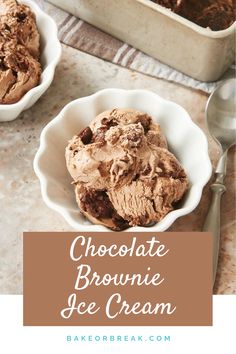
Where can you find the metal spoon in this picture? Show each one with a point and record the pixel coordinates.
(221, 121)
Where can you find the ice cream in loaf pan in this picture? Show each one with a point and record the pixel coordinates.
(20, 68)
(123, 173)
(215, 14)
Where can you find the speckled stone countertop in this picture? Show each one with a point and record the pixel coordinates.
(21, 205)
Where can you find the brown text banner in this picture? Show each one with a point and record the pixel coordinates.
(117, 279)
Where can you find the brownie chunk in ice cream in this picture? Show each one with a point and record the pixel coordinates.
(123, 173)
(215, 14)
(20, 68)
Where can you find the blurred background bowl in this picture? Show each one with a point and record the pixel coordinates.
(50, 53)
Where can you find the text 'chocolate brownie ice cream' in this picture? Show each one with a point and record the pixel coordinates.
(215, 14)
(20, 68)
(123, 173)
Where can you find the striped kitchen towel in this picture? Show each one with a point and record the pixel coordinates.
(74, 32)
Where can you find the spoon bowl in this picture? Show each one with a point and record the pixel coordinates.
(221, 121)
(221, 114)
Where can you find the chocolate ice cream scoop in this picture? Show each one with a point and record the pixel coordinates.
(19, 51)
(19, 72)
(19, 23)
(123, 173)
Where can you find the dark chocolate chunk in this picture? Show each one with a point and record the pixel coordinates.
(120, 223)
(97, 203)
(145, 120)
(7, 27)
(109, 122)
(21, 16)
(146, 170)
(86, 136)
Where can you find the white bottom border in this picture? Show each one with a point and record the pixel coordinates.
(220, 338)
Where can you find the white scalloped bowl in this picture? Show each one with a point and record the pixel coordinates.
(50, 49)
(185, 140)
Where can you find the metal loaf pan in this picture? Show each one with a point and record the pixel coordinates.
(198, 52)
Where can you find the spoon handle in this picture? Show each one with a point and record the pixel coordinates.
(212, 221)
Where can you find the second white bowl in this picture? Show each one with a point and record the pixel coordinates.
(50, 49)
